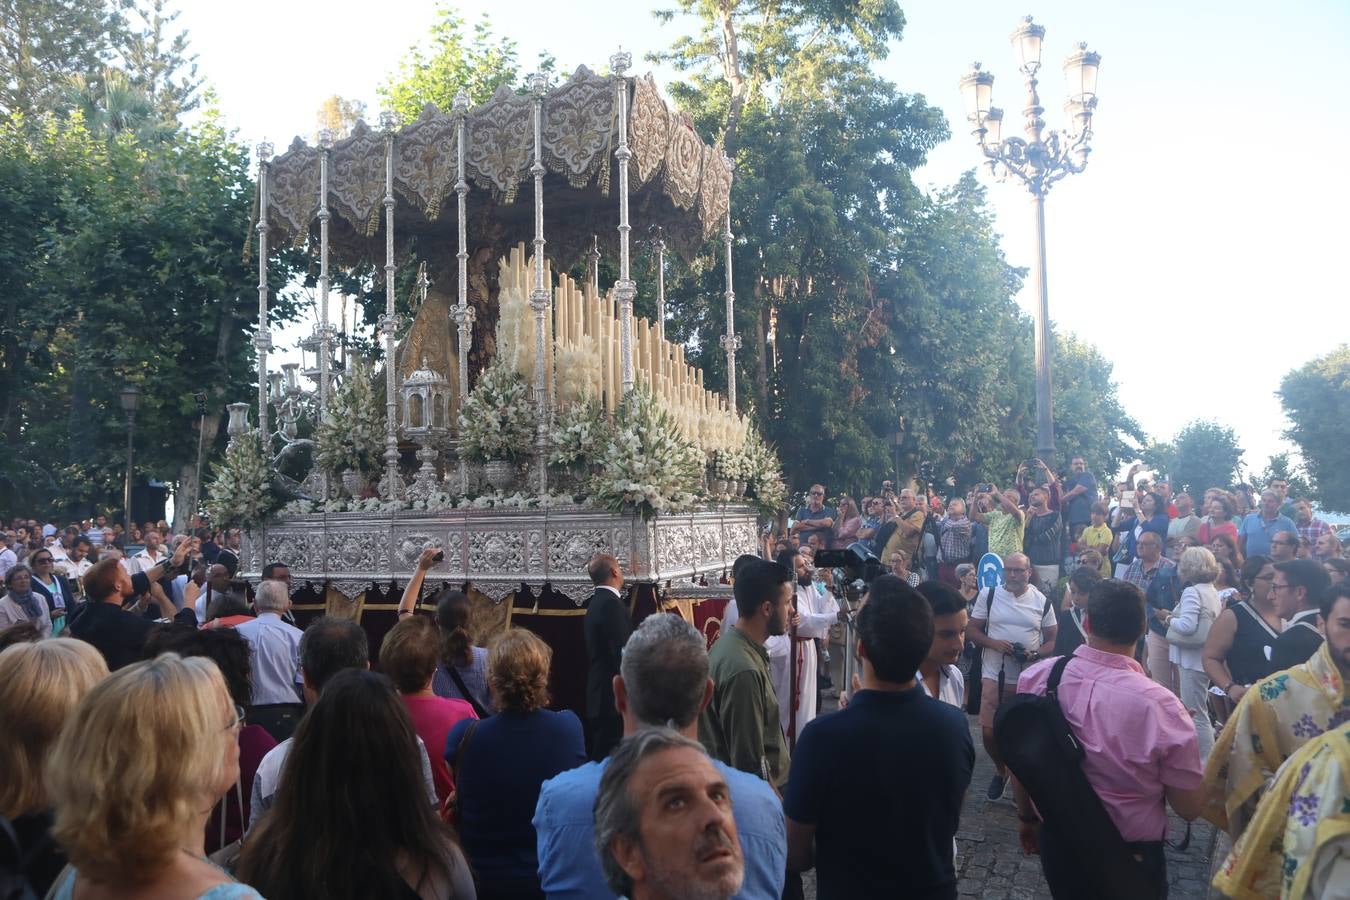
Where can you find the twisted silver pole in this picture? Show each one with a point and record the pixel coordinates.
(731, 341)
(463, 314)
(262, 340)
(625, 290)
(538, 84)
(392, 483)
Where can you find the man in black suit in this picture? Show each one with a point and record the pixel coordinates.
(608, 625)
(1298, 588)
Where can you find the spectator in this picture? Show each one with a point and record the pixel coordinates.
(1297, 588)
(1139, 745)
(1278, 715)
(815, 518)
(462, 673)
(23, 604)
(329, 646)
(1238, 651)
(76, 562)
(1034, 473)
(953, 541)
(1006, 523)
(1296, 844)
(664, 679)
(134, 777)
(230, 652)
(347, 821)
(907, 530)
(1011, 623)
(499, 764)
(848, 525)
(1098, 536)
(606, 628)
(905, 751)
(1186, 523)
(1258, 528)
(53, 586)
(8, 558)
(1043, 539)
(741, 726)
(900, 569)
(151, 555)
(118, 634)
(1327, 547)
(652, 846)
(1072, 631)
(1338, 570)
(938, 674)
(871, 522)
(409, 655)
(275, 647)
(1228, 584)
(1224, 547)
(1151, 518)
(1156, 576)
(25, 632)
(969, 579)
(1080, 498)
(40, 685)
(220, 600)
(1187, 625)
(1220, 521)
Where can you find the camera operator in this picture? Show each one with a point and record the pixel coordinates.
(1011, 624)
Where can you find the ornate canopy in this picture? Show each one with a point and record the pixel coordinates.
(675, 179)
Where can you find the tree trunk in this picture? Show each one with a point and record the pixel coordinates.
(731, 68)
(761, 388)
(188, 497)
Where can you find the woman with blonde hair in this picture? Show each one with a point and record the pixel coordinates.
(40, 685)
(1188, 626)
(134, 776)
(499, 763)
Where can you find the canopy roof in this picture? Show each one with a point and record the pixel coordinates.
(676, 181)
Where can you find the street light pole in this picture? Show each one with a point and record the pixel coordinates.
(131, 398)
(1038, 161)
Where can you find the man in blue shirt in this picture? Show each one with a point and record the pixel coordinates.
(1259, 527)
(663, 680)
(874, 797)
(815, 518)
(1076, 502)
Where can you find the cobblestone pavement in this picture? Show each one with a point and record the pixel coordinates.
(991, 864)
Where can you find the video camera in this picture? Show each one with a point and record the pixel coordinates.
(857, 560)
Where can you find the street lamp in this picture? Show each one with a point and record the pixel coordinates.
(131, 398)
(1038, 161)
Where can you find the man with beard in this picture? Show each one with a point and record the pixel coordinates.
(741, 726)
(816, 610)
(875, 795)
(663, 823)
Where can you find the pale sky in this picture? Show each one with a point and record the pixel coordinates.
(1199, 251)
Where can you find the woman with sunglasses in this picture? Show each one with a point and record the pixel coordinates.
(52, 585)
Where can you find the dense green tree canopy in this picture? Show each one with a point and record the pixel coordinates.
(1203, 455)
(1316, 398)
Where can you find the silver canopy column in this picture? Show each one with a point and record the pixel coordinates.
(624, 289)
(462, 314)
(262, 339)
(731, 341)
(391, 485)
(539, 295)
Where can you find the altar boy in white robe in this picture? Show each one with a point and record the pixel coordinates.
(817, 610)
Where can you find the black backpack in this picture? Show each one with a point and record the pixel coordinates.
(14, 862)
(1039, 747)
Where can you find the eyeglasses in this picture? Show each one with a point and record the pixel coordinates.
(45, 561)
(1280, 587)
(238, 721)
(817, 493)
(1012, 571)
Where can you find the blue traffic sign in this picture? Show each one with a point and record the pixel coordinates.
(991, 571)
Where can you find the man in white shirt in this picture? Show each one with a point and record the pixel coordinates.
(75, 562)
(1011, 623)
(8, 559)
(938, 675)
(151, 556)
(329, 646)
(274, 661)
(818, 610)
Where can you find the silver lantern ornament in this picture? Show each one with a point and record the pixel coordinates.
(426, 421)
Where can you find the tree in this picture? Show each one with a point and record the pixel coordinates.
(1203, 455)
(1281, 467)
(158, 62)
(339, 116)
(110, 104)
(1316, 399)
(45, 42)
(448, 63)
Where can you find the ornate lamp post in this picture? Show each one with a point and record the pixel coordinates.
(131, 398)
(1038, 161)
(426, 419)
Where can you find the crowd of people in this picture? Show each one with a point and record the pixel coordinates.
(171, 733)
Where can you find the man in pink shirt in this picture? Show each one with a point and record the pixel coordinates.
(1139, 742)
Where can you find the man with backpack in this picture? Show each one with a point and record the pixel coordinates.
(1138, 753)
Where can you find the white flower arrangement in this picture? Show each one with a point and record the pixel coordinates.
(497, 421)
(351, 433)
(648, 463)
(765, 473)
(299, 508)
(240, 493)
(580, 434)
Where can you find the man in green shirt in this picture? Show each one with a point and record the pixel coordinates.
(741, 725)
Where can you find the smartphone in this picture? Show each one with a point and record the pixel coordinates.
(439, 557)
(1127, 500)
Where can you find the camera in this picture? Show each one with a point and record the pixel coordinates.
(439, 557)
(985, 488)
(857, 560)
(1020, 654)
